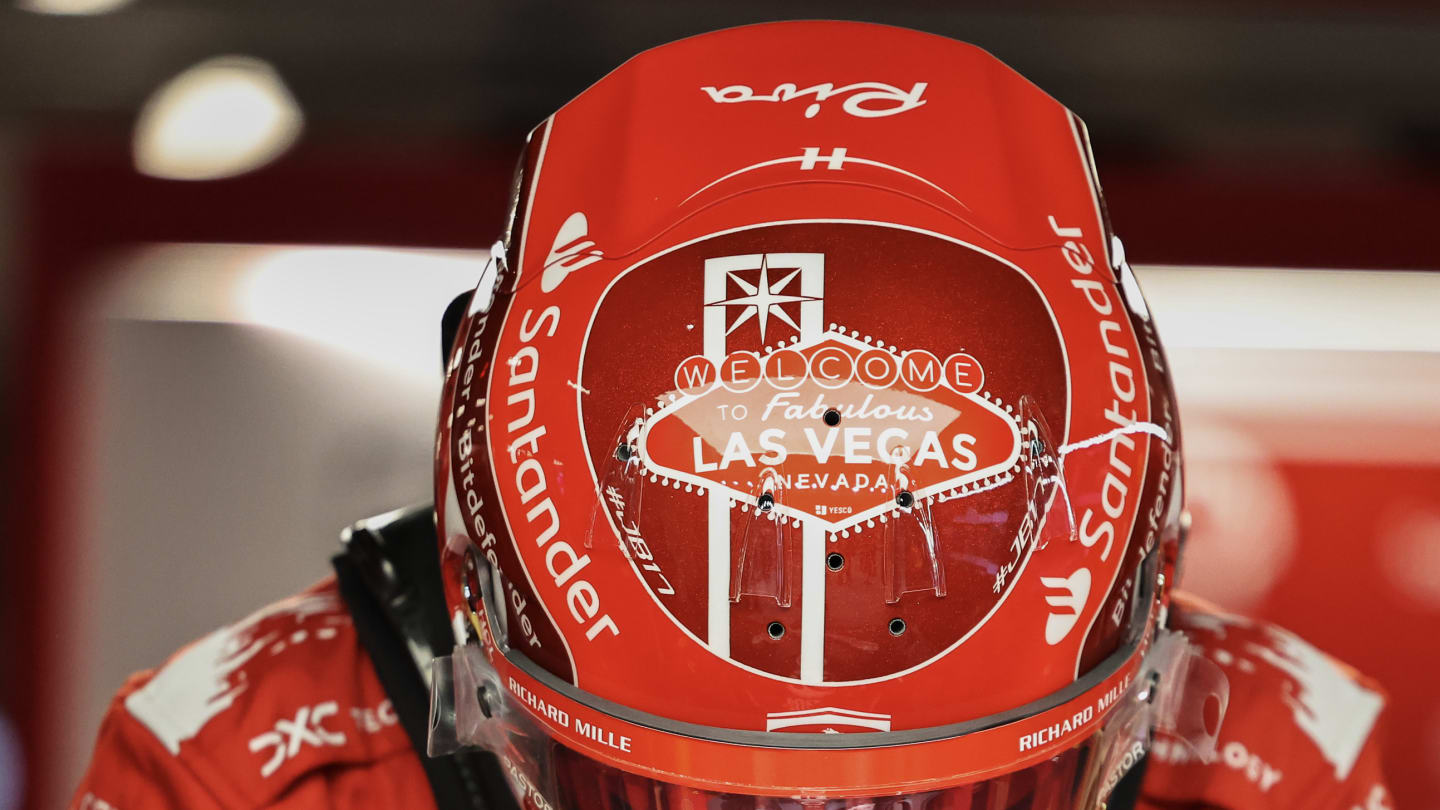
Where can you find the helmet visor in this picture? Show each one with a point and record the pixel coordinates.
(628, 760)
(578, 783)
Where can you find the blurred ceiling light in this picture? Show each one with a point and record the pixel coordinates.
(75, 7)
(223, 117)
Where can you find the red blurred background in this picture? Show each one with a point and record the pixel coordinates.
(1271, 136)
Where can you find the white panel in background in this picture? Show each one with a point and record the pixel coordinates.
(1311, 310)
(1340, 365)
(241, 406)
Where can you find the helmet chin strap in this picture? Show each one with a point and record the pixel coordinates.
(390, 580)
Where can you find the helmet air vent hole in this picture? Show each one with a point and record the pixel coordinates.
(897, 626)
(835, 561)
(832, 417)
(765, 503)
(904, 499)
(776, 630)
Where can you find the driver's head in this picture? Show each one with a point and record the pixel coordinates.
(807, 443)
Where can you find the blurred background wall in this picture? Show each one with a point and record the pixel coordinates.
(172, 431)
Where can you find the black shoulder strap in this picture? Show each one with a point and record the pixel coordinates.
(389, 578)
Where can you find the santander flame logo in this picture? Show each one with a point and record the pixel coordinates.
(1066, 598)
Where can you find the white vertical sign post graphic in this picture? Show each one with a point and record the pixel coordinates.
(764, 301)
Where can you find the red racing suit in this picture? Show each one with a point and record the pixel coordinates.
(284, 710)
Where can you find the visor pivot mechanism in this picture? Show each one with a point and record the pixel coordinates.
(487, 699)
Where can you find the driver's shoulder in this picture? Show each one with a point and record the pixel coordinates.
(1301, 728)
(245, 714)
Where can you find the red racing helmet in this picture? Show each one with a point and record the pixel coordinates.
(808, 443)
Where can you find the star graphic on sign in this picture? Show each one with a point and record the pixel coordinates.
(762, 300)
